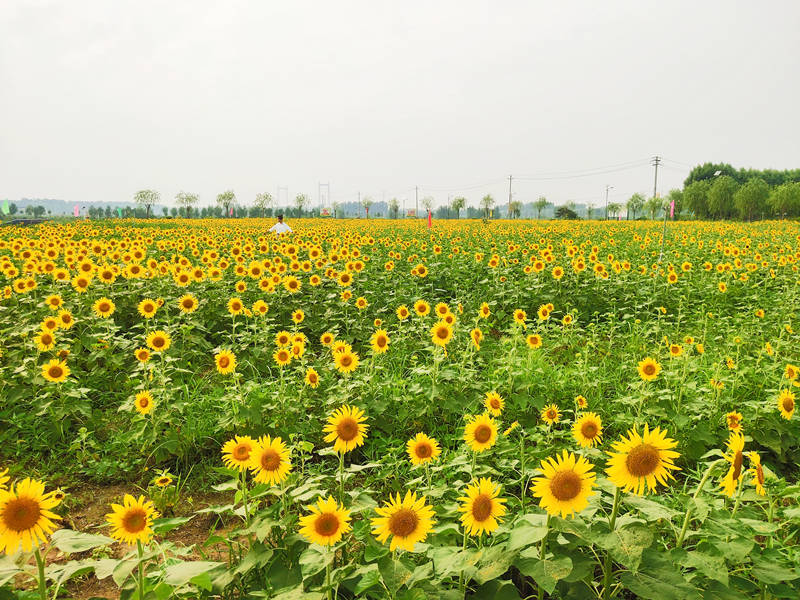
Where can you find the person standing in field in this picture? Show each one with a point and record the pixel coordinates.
(280, 226)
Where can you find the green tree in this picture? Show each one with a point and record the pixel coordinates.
(165, 210)
(785, 200)
(589, 211)
(695, 197)
(634, 204)
(751, 198)
(486, 203)
(12, 209)
(720, 197)
(226, 200)
(676, 196)
(300, 201)
(515, 209)
(458, 204)
(367, 202)
(147, 198)
(614, 208)
(653, 205)
(394, 207)
(186, 200)
(540, 205)
(427, 203)
(565, 212)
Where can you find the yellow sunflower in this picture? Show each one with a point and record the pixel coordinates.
(298, 316)
(225, 361)
(103, 308)
(236, 452)
(53, 302)
(402, 312)
(159, 341)
(380, 341)
(735, 456)
(55, 371)
(132, 521)
(520, 316)
(408, 521)
(648, 369)
(476, 335)
(282, 357)
(734, 420)
(269, 460)
(550, 414)
(756, 471)
(441, 333)
(422, 308)
(147, 308)
(163, 480)
(484, 311)
(345, 361)
(326, 339)
(143, 402)
(235, 306)
(588, 430)
(480, 433)
(640, 462)
(65, 320)
(534, 341)
(45, 340)
(494, 403)
(188, 303)
(481, 508)
(283, 339)
(786, 404)
(422, 449)
(312, 378)
(581, 402)
(142, 354)
(4, 478)
(565, 485)
(327, 522)
(346, 428)
(26, 519)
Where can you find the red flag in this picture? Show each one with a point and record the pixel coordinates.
(76, 211)
(672, 209)
(429, 219)
(230, 214)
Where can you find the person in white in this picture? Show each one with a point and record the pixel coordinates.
(280, 226)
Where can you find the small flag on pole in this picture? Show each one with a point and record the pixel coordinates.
(429, 219)
(230, 213)
(6, 209)
(672, 209)
(76, 211)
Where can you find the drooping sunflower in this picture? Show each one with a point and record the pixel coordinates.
(26, 518)
(565, 485)
(132, 520)
(786, 404)
(55, 371)
(481, 507)
(159, 341)
(188, 303)
(422, 449)
(327, 522)
(345, 361)
(408, 521)
(312, 378)
(346, 428)
(494, 403)
(103, 308)
(422, 308)
(476, 335)
(735, 456)
(380, 341)
(480, 433)
(143, 402)
(588, 430)
(648, 369)
(441, 334)
(282, 357)
(147, 308)
(550, 414)
(534, 341)
(640, 462)
(225, 361)
(236, 452)
(734, 420)
(756, 471)
(45, 340)
(269, 460)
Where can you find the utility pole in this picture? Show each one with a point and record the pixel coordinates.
(416, 201)
(508, 216)
(655, 163)
(285, 189)
(608, 187)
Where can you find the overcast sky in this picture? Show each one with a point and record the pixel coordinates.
(101, 98)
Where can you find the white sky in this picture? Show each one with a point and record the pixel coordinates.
(101, 98)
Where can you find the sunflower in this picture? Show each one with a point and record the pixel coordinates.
(534, 341)
(581, 402)
(132, 521)
(147, 308)
(422, 449)
(345, 279)
(791, 373)
(282, 357)
(484, 311)
(361, 303)
(326, 339)
(312, 378)
(441, 334)
(235, 306)
(54, 302)
(225, 361)
(756, 471)
(142, 354)
(188, 303)
(640, 462)
(283, 339)
(734, 420)
(346, 428)
(494, 403)
(476, 335)
(55, 371)
(786, 404)
(65, 320)
(4, 478)
(158, 341)
(588, 430)
(103, 308)
(544, 312)
(422, 308)
(297, 349)
(380, 341)
(327, 522)
(511, 428)
(143, 402)
(163, 480)
(481, 508)
(269, 460)
(408, 521)
(675, 350)
(50, 324)
(345, 361)
(648, 369)
(45, 340)
(236, 452)
(550, 414)
(480, 433)
(565, 485)
(292, 284)
(735, 456)
(520, 316)
(402, 312)
(298, 316)
(441, 309)
(26, 519)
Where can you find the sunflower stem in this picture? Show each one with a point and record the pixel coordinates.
(699, 489)
(522, 469)
(612, 521)
(738, 497)
(40, 571)
(140, 581)
(341, 477)
(244, 498)
(328, 575)
(543, 553)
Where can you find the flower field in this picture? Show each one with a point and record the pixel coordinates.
(506, 409)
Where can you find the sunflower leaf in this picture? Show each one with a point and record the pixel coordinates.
(70, 541)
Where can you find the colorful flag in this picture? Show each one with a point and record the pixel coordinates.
(672, 209)
(411, 212)
(230, 214)
(76, 211)
(119, 212)
(6, 209)
(429, 219)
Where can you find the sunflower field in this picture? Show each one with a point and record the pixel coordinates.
(376, 409)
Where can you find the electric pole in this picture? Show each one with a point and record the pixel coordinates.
(608, 187)
(655, 163)
(508, 216)
(416, 201)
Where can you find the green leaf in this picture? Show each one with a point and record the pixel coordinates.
(394, 573)
(8, 569)
(650, 509)
(165, 525)
(297, 593)
(496, 590)
(312, 561)
(545, 572)
(771, 567)
(370, 576)
(195, 572)
(627, 543)
(713, 567)
(70, 541)
(525, 535)
(492, 563)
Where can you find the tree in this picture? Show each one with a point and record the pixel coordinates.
(12, 209)
(486, 203)
(458, 203)
(653, 205)
(565, 212)
(720, 197)
(540, 205)
(427, 203)
(336, 206)
(147, 198)
(263, 201)
(785, 200)
(676, 196)
(589, 211)
(394, 207)
(751, 198)
(165, 210)
(614, 208)
(695, 196)
(185, 200)
(226, 199)
(514, 210)
(300, 201)
(634, 204)
(367, 202)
